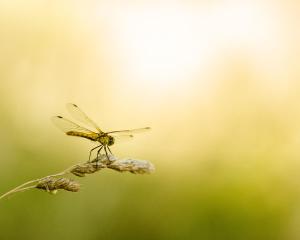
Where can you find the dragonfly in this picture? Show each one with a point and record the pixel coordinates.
(104, 139)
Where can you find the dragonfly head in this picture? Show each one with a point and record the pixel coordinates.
(111, 140)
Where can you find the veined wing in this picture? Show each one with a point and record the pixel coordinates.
(132, 131)
(79, 115)
(121, 138)
(71, 128)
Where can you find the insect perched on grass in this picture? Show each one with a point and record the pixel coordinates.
(105, 139)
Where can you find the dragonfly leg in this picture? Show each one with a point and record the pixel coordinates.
(106, 153)
(98, 152)
(92, 151)
(109, 150)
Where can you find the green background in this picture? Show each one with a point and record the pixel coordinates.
(226, 155)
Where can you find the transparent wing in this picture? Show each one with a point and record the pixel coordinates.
(122, 138)
(132, 131)
(79, 115)
(67, 126)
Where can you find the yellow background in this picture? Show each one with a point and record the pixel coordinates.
(218, 82)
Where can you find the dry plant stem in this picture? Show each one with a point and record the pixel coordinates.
(22, 187)
(17, 190)
(81, 170)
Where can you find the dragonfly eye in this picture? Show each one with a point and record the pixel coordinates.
(111, 140)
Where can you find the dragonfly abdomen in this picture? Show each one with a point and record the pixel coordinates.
(93, 137)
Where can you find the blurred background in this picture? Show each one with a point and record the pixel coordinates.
(218, 82)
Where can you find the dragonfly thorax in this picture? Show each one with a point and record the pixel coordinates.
(111, 140)
(106, 140)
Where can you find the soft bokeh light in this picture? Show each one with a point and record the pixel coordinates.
(218, 82)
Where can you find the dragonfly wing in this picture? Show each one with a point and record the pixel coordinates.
(121, 138)
(79, 115)
(132, 131)
(66, 125)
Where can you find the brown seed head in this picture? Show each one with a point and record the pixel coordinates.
(51, 184)
(81, 170)
(133, 166)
